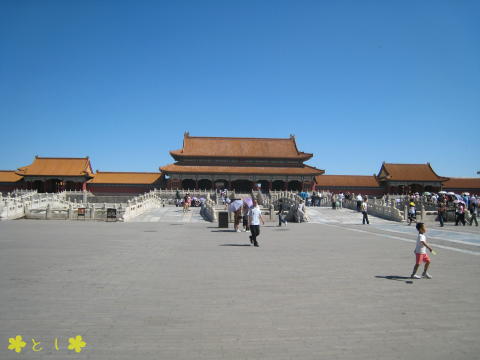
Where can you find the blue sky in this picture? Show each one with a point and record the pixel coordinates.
(357, 82)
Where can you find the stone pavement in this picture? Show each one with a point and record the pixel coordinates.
(173, 290)
(170, 214)
(457, 238)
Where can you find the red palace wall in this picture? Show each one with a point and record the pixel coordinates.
(121, 189)
(9, 187)
(354, 190)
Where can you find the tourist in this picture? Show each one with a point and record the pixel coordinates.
(473, 210)
(421, 255)
(237, 216)
(441, 210)
(281, 209)
(460, 213)
(412, 213)
(301, 212)
(186, 202)
(364, 208)
(359, 202)
(177, 198)
(254, 219)
(245, 218)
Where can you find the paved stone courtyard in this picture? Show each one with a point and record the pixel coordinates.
(330, 289)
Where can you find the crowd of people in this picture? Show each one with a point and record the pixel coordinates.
(187, 201)
(464, 206)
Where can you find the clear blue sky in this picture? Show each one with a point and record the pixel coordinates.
(357, 82)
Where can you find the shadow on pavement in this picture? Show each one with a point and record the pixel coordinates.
(235, 245)
(407, 279)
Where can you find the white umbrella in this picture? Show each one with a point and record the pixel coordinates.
(442, 192)
(451, 193)
(235, 205)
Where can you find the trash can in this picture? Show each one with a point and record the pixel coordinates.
(112, 214)
(223, 219)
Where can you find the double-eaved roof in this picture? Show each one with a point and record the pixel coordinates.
(54, 166)
(196, 146)
(110, 177)
(408, 172)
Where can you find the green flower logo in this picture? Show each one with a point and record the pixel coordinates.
(76, 343)
(16, 344)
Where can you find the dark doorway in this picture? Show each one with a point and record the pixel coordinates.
(188, 184)
(52, 185)
(265, 185)
(221, 184)
(294, 185)
(205, 184)
(242, 186)
(38, 185)
(278, 185)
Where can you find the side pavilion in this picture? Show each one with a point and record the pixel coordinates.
(240, 164)
(406, 178)
(47, 174)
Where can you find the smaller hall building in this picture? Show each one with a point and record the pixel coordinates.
(240, 164)
(52, 174)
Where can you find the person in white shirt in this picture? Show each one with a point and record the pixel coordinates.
(364, 208)
(359, 202)
(254, 219)
(421, 253)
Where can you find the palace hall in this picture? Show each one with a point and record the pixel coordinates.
(233, 163)
(240, 164)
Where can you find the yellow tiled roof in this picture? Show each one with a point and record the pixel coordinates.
(57, 166)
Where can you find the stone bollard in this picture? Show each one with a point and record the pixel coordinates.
(405, 213)
(47, 212)
(422, 213)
